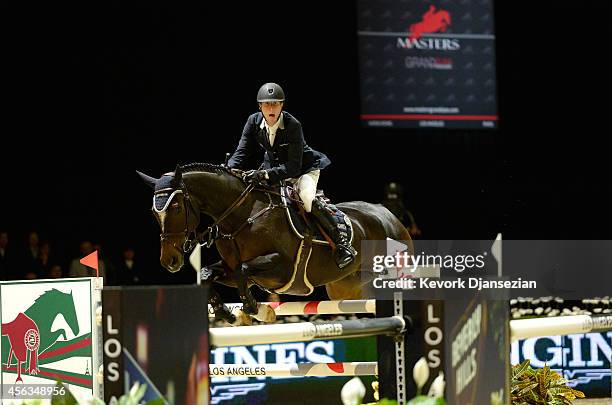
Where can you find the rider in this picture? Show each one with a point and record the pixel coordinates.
(287, 157)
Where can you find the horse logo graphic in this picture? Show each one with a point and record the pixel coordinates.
(30, 338)
(433, 21)
(24, 341)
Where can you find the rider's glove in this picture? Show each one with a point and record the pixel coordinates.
(256, 176)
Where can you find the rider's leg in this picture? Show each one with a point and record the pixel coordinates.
(344, 253)
(307, 186)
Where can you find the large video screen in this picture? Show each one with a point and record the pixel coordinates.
(427, 64)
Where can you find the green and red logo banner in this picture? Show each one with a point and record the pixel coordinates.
(49, 333)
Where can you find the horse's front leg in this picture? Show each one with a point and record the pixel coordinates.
(249, 304)
(209, 274)
(261, 264)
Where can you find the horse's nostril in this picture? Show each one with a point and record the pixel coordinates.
(173, 261)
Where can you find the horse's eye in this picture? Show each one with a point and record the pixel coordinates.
(175, 205)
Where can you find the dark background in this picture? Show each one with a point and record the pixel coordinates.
(89, 96)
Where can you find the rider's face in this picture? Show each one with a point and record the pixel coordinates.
(271, 111)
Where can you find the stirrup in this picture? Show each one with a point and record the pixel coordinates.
(344, 255)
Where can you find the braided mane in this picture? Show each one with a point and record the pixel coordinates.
(204, 167)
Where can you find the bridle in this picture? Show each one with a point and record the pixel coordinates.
(212, 233)
(190, 235)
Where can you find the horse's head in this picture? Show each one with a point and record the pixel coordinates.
(175, 215)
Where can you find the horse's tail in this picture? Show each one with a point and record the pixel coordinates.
(394, 227)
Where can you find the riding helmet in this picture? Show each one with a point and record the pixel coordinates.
(270, 92)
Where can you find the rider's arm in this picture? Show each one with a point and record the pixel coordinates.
(292, 168)
(247, 147)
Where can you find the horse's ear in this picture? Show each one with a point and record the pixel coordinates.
(147, 179)
(178, 176)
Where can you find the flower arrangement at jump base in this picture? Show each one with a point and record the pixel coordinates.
(541, 386)
(528, 387)
(435, 396)
(353, 391)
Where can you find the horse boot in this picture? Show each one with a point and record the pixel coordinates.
(344, 253)
(220, 310)
(249, 304)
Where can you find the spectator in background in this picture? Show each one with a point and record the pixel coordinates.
(111, 275)
(30, 261)
(55, 271)
(129, 271)
(42, 264)
(79, 270)
(394, 201)
(30, 275)
(6, 269)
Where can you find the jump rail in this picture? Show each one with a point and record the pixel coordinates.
(305, 331)
(357, 368)
(559, 325)
(315, 307)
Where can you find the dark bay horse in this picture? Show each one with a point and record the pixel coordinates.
(254, 239)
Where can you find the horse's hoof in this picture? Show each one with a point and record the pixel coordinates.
(242, 319)
(265, 313)
(224, 316)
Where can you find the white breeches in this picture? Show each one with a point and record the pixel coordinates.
(306, 185)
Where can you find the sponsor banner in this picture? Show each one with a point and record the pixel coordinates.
(583, 359)
(112, 333)
(157, 336)
(49, 332)
(477, 351)
(463, 341)
(234, 388)
(427, 64)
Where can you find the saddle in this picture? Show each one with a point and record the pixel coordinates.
(304, 225)
(306, 228)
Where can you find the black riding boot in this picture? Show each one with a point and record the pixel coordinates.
(344, 254)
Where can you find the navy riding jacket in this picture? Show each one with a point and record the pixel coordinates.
(289, 157)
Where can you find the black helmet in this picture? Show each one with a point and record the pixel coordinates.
(270, 92)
